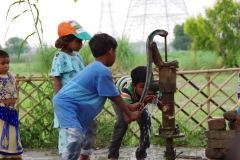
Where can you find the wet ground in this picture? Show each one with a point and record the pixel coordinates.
(154, 153)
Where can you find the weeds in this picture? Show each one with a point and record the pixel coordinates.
(86, 54)
(125, 54)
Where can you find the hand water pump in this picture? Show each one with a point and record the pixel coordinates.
(165, 84)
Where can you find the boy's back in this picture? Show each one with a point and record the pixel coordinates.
(77, 103)
(84, 96)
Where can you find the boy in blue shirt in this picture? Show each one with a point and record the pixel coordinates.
(83, 98)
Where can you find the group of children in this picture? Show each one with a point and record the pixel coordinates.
(84, 96)
(77, 103)
(81, 93)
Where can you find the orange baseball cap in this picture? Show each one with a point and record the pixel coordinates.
(73, 27)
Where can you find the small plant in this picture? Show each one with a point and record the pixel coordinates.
(125, 54)
(44, 57)
(86, 54)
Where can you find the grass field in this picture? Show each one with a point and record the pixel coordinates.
(187, 61)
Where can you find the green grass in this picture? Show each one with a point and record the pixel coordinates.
(24, 69)
(208, 60)
(186, 59)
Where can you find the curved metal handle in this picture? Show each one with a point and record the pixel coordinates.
(149, 52)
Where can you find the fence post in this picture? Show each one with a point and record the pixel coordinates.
(208, 92)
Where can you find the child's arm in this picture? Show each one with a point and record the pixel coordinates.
(57, 83)
(134, 107)
(150, 99)
(122, 105)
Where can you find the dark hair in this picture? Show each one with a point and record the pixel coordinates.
(139, 74)
(3, 54)
(61, 42)
(101, 43)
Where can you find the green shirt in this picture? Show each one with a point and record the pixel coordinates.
(125, 88)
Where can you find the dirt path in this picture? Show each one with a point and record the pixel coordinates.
(128, 153)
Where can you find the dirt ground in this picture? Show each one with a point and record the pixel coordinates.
(128, 153)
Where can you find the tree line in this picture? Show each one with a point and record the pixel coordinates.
(217, 32)
(13, 44)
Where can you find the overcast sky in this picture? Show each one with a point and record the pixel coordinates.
(86, 12)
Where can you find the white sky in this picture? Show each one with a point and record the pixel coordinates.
(86, 12)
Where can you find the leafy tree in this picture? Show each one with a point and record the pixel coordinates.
(225, 38)
(181, 41)
(218, 31)
(198, 29)
(13, 45)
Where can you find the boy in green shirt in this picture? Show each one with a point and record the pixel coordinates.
(131, 89)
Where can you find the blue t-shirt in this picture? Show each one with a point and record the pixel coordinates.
(66, 66)
(83, 98)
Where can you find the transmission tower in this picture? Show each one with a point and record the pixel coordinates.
(106, 24)
(145, 16)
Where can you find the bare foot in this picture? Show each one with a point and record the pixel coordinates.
(83, 157)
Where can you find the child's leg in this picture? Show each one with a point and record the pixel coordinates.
(119, 131)
(62, 135)
(90, 137)
(75, 141)
(62, 139)
(144, 141)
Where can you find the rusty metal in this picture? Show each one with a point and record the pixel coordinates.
(167, 85)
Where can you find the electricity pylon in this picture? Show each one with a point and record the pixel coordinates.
(106, 23)
(145, 16)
